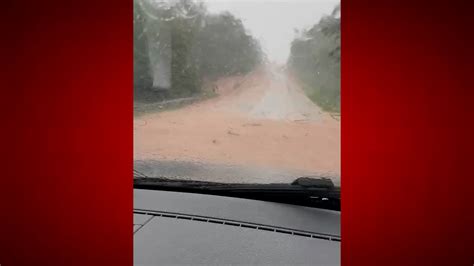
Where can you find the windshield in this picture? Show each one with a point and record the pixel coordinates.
(237, 91)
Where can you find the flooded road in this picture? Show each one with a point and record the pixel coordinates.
(260, 128)
(220, 172)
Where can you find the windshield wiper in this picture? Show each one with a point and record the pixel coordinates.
(318, 192)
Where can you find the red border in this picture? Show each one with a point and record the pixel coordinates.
(407, 133)
(66, 190)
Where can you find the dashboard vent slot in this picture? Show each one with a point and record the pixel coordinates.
(262, 227)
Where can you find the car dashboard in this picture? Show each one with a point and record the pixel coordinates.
(175, 228)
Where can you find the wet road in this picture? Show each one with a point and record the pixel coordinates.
(221, 172)
(260, 128)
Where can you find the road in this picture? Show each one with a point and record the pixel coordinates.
(260, 128)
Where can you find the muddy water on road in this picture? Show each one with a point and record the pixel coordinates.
(261, 127)
(221, 172)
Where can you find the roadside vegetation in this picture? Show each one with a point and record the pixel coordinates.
(315, 59)
(180, 48)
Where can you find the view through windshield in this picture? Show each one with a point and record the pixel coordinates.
(237, 91)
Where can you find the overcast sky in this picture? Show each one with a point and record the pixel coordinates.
(273, 22)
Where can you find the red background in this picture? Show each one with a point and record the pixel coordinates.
(407, 133)
(66, 187)
(407, 136)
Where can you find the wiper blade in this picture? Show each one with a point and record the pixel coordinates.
(306, 191)
(309, 181)
(302, 183)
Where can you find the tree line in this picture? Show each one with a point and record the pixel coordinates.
(315, 59)
(179, 45)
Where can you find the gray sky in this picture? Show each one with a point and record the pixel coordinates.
(273, 22)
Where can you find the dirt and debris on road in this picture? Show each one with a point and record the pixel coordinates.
(262, 119)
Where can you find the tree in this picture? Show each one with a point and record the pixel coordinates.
(182, 44)
(315, 59)
(141, 62)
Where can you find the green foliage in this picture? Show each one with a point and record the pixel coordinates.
(315, 58)
(141, 62)
(177, 46)
(224, 48)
